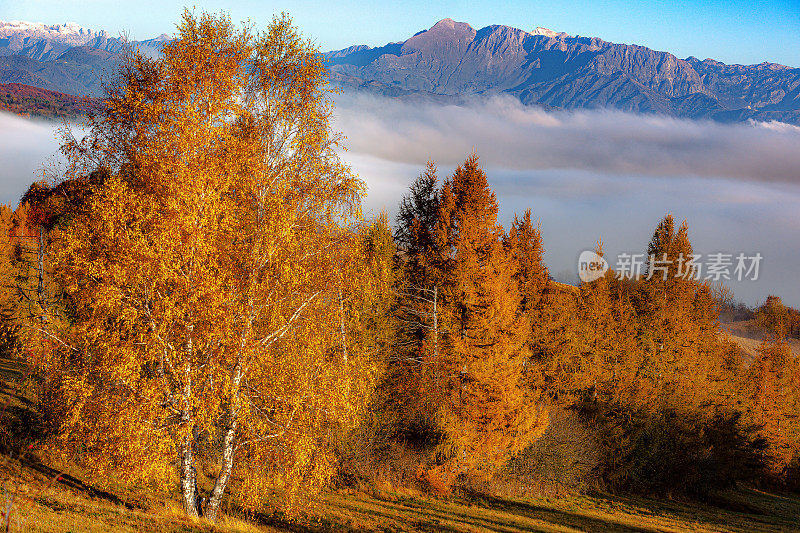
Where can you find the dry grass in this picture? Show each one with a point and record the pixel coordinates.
(53, 500)
(61, 509)
(739, 511)
(748, 336)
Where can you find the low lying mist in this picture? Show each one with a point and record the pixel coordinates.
(27, 148)
(508, 135)
(590, 175)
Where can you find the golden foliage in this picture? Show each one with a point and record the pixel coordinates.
(206, 271)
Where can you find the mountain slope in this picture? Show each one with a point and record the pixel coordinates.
(554, 69)
(65, 57)
(36, 102)
(69, 77)
(451, 61)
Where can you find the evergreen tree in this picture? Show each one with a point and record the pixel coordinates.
(485, 409)
(417, 285)
(417, 214)
(524, 243)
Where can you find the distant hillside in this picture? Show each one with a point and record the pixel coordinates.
(61, 76)
(36, 102)
(558, 70)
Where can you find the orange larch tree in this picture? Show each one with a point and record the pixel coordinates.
(486, 411)
(773, 386)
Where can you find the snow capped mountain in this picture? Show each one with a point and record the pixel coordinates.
(548, 33)
(452, 60)
(69, 33)
(556, 70)
(43, 42)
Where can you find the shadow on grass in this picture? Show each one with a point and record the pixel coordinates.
(558, 517)
(22, 426)
(13, 393)
(76, 484)
(430, 516)
(744, 510)
(734, 510)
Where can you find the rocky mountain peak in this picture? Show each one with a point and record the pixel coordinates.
(446, 32)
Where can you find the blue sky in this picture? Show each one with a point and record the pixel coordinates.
(730, 31)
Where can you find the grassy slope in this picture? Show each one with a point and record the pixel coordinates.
(50, 499)
(748, 336)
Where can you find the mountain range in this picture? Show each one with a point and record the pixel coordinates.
(554, 69)
(65, 58)
(452, 61)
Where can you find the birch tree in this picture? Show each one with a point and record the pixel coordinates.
(203, 272)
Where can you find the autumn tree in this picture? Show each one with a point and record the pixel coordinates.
(588, 347)
(773, 316)
(366, 323)
(667, 292)
(524, 243)
(485, 409)
(773, 387)
(8, 296)
(205, 272)
(679, 319)
(602, 340)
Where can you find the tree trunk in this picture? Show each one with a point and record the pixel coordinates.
(341, 326)
(188, 477)
(436, 334)
(215, 499)
(191, 501)
(40, 296)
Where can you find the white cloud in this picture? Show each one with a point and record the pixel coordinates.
(27, 148)
(508, 135)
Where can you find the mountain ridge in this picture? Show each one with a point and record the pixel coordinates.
(555, 69)
(451, 61)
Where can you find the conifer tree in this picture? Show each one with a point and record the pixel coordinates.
(418, 213)
(524, 243)
(600, 343)
(486, 411)
(774, 388)
(666, 300)
(684, 358)
(773, 316)
(419, 280)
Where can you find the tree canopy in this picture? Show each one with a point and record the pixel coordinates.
(205, 270)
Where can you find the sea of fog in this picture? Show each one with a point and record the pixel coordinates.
(585, 175)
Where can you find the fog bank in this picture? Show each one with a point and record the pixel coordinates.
(592, 175)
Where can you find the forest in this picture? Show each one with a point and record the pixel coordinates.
(205, 312)
(41, 103)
